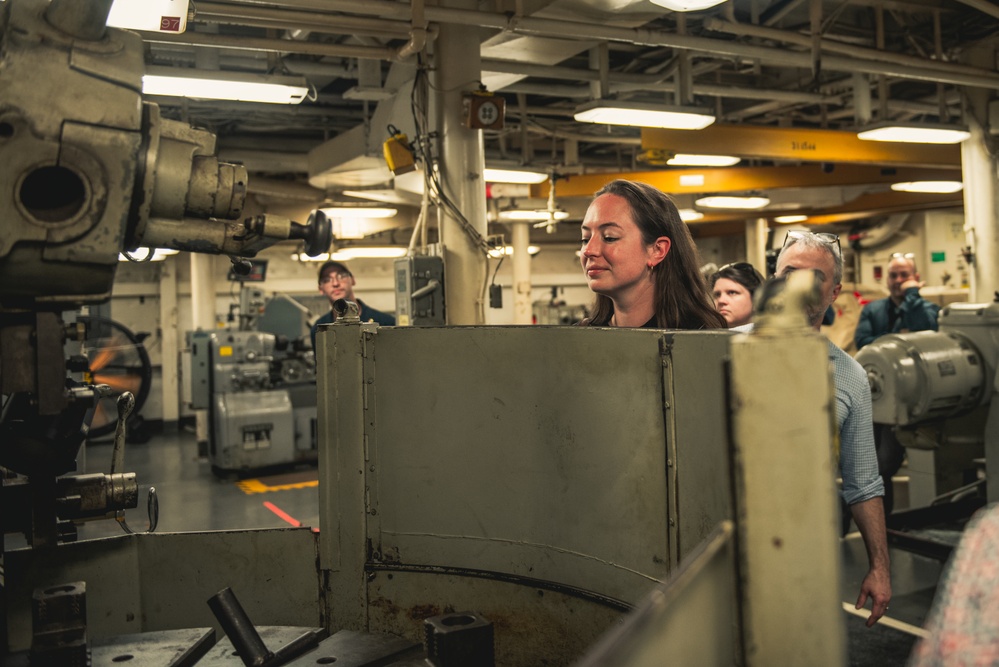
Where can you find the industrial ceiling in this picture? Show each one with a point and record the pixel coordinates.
(790, 82)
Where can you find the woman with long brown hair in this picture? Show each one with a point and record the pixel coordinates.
(641, 261)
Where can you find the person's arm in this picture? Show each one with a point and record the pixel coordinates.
(869, 515)
(916, 313)
(864, 333)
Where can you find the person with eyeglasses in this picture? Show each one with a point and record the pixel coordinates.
(337, 282)
(903, 310)
(863, 488)
(641, 262)
(732, 287)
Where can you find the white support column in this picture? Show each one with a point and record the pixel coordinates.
(458, 69)
(978, 169)
(169, 343)
(521, 274)
(756, 243)
(980, 213)
(202, 314)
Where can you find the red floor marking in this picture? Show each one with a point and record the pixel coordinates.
(281, 513)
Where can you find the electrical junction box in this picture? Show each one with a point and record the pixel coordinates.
(483, 111)
(419, 291)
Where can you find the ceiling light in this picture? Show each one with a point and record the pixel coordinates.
(353, 252)
(689, 160)
(914, 133)
(530, 215)
(514, 176)
(637, 114)
(359, 212)
(217, 85)
(149, 15)
(689, 214)
(930, 187)
(507, 250)
(687, 5)
(141, 255)
(730, 201)
(788, 219)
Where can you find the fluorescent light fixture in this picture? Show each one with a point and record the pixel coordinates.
(530, 215)
(360, 212)
(690, 160)
(788, 219)
(689, 214)
(914, 133)
(140, 255)
(150, 15)
(211, 85)
(687, 5)
(929, 187)
(730, 201)
(514, 176)
(507, 250)
(637, 114)
(356, 252)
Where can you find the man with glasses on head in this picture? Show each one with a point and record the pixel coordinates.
(903, 310)
(862, 485)
(337, 282)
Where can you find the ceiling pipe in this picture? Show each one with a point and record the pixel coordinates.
(983, 6)
(832, 46)
(254, 15)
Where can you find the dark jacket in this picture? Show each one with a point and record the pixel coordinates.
(914, 314)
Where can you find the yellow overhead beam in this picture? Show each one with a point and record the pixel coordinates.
(740, 179)
(786, 143)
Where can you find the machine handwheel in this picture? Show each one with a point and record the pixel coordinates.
(118, 359)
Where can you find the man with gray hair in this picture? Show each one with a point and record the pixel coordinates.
(863, 488)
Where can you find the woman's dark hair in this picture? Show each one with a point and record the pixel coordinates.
(682, 298)
(743, 273)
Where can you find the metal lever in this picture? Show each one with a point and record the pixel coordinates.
(245, 638)
(126, 403)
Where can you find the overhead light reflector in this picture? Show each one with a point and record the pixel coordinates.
(929, 187)
(730, 201)
(914, 133)
(637, 114)
(354, 252)
(690, 160)
(514, 176)
(359, 211)
(238, 86)
(788, 219)
(687, 5)
(530, 215)
(507, 250)
(689, 215)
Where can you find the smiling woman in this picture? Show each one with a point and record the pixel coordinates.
(640, 260)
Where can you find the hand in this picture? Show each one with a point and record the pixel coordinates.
(912, 283)
(876, 585)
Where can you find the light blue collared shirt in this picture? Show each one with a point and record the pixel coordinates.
(858, 460)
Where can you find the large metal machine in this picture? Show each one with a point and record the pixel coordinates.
(940, 389)
(258, 384)
(89, 170)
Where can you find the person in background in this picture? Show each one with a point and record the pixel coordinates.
(901, 311)
(640, 260)
(732, 287)
(337, 282)
(862, 485)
